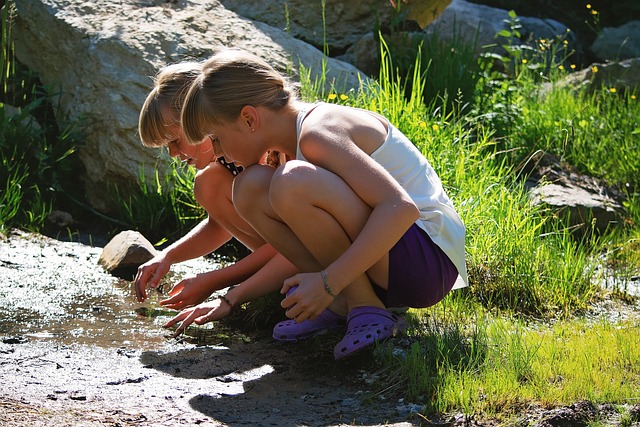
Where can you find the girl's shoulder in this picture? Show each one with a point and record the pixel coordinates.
(342, 116)
(333, 125)
(216, 171)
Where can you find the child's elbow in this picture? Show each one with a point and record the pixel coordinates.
(410, 210)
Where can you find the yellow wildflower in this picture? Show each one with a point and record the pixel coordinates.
(343, 97)
(561, 67)
(612, 90)
(435, 127)
(524, 61)
(423, 124)
(594, 69)
(573, 66)
(332, 96)
(588, 6)
(633, 97)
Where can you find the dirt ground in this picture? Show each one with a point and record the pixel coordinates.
(76, 351)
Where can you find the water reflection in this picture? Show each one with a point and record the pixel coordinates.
(57, 291)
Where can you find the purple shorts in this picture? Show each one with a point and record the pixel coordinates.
(420, 273)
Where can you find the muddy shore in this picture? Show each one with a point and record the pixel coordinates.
(75, 350)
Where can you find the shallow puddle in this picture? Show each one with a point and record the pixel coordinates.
(59, 292)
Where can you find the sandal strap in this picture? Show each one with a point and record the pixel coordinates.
(369, 310)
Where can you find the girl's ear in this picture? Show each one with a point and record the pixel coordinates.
(249, 115)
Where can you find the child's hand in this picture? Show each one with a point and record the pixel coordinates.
(149, 275)
(187, 293)
(309, 300)
(200, 314)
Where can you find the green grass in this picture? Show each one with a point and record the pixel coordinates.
(38, 162)
(499, 365)
(521, 335)
(162, 209)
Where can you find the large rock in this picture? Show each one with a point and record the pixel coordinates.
(461, 22)
(582, 200)
(99, 57)
(480, 24)
(618, 43)
(125, 253)
(336, 24)
(623, 76)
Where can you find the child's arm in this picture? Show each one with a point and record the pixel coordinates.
(265, 281)
(338, 143)
(212, 187)
(196, 289)
(204, 238)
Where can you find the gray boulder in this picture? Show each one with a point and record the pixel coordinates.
(125, 253)
(338, 24)
(98, 58)
(614, 44)
(582, 200)
(471, 22)
(622, 75)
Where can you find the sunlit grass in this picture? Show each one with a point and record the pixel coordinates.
(162, 208)
(463, 358)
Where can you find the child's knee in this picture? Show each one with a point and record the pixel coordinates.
(213, 184)
(291, 182)
(249, 186)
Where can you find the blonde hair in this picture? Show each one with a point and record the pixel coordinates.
(163, 105)
(229, 81)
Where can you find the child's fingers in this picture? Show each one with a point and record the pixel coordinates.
(289, 283)
(176, 319)
(155, 279)
(140, 283)
(186, 322)
(177, 288)
(206, 317)
(174, 302)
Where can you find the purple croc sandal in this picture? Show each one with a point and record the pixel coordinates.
(365, 327)
(290, 330)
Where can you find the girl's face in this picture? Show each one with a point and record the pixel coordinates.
(198, 156)
(237, 142)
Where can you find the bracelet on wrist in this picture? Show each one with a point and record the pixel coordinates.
(323, 274)
(225, 298)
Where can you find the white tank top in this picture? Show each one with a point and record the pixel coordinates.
(411, 169)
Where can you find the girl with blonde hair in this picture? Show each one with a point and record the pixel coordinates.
(360, 211)
(258, 274)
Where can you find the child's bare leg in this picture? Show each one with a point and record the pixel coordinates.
(327, 216)
(215, 197)
(251, 200)
(312, 216)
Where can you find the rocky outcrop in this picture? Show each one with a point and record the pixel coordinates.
(622, 76)
(581, 200)
(480, 24)
(465, 23)
(335, 24)
(614, 44)
(98, 58)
